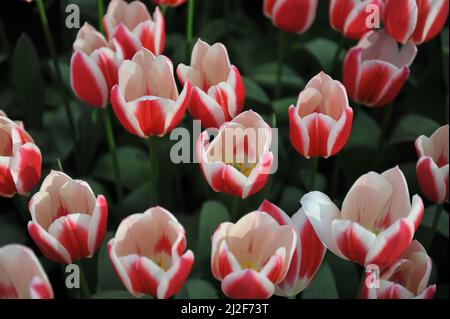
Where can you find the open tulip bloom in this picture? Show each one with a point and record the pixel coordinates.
(20, 159)
(432, 167)
(320, 124)
(130, 27)
(376, 222)
(68, 222)
(21, 274)
(148, 254)
(407, 278)
(146, 99)
(376, 69)
(252, 256)
(238, 161)
(218, 91)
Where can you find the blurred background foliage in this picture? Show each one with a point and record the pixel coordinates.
(29, 92)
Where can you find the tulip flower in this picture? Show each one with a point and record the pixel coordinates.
(238, 160)
(93, 67)
(376, 223)
(294, 16)
(169, 3)
(308, 254)
(20, 159)
(406, 279)
(375, 70)
(130, 27)
(352, 17)
(148, 254)
(432, 167)
(21, 274)
(68, 222)
(321, 123)
(218, 92)
(415, 21)
(146, 99)
(252, 256)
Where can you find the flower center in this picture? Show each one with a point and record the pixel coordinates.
(245, 169)
(250, 265)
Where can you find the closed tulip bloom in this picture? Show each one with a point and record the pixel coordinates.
(20, 159)
(416, 21)
(252, 256)
(68, 222)
(294, 16)
(218, 92)
(238, 160)
(146, 99)
(376, 69)
(321, 123)
(351, 17)
(308, 254)
(432, 167)
(148, 254)
(21, 274)
(130, 27)
(406, 279)
(376, 222)
(169, 3)
(93, 67)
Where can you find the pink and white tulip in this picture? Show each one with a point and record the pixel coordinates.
(376, 223)
(93, 67)
(146, 99)
(21, 274)
(406, 279)
(320, 124)
(294, 16)
(148, 254)
(416, 21)
(432, 167)
(130, 27)
(68, 222)
(351, 17)
(376, 69)
(169, 3)
(252, 256)
(218, 91)
(308, 254)
(238, 161)
(20, 159)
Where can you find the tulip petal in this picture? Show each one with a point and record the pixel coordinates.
(173, 280)
(98, 224)
(125, 42)
(247, 284)
(49, 246)
(7, 186)
(26, 168)
(431, 180)
(400, 19)
(205, 108)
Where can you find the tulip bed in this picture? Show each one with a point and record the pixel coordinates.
(348, 193)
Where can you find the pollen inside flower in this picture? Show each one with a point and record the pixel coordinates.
(250, 265)
(245, 168)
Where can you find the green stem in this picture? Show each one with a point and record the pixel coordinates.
(112, 149)
(101, 13)
(84, 287)
(280, 58)
(312, 176)
(163, 9)
(437, 217)
(190, 26)
(234, 209)
(60, 166)
(337, 55)
(153, 158)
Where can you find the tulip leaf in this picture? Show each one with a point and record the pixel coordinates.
(281, 108)
(254, 92)
(323, 50)
(365, 132)
(410, 127)
(107, 277)
(346, 276)
(323, 285)
(200, 289)
(445, 53)
(266, 75)
(290, 199)
(428, 218)
(11, 231)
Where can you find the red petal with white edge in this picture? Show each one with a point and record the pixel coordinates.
(432, 18)
(176, 115)
(390, 290)
(226, 262)
(233, 181)
(400, 19)
(87, 80)
(151, 112)
(98, 224)
(26, 168)
(48, 245)
(431, 180)
(268, 7)
(394, 88)
(106, 61)
(416, 214)
(319, 127)
(353, 240)
(203, 107)
(125, 112)
(276, 212)
(428, 293)
(294, 16)
(236, 82)
(298, 133)
(352, 72)
(7, 186)
(160, 31)
(40, 289)
(356, 23)
(259, 176)
(274, 266)
(340, 132)
(125, 42)
(120, 270)
(247, 284)
(174, 279)
(145, 33)
(339, 11)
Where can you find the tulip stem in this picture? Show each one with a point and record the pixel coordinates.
(190, 27)
(84, 287)
(337, 55)
(112, 149)
(101, 13)
(312, 176)
(434, 227)
(280, 58)
(153, 157)
(234, 209)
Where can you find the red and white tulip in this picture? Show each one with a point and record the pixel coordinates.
(238, 161)
(21, 274)
(148, 254)
(416, 21)
(351, 17)
(218, 91)
(130, 27)
(376, 69)
(320, 124)
(252, 256)
(294, 16)
(20, 159)
(406, 279)
(308, 254)
(68, 221)
(146, 99)
(93, 67)
(432, 167)
(376, 223)
(169, 3)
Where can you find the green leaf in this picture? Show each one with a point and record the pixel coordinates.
(365, 132)
(445, 53)
(324, 51)
(254, 92)
(323, 285)
(281, 108)
(410, 127)
(428, 218)
(11, 231)
(200, 289)
(107, 278)
(290, 199)
(346, 276)
(266, 75)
